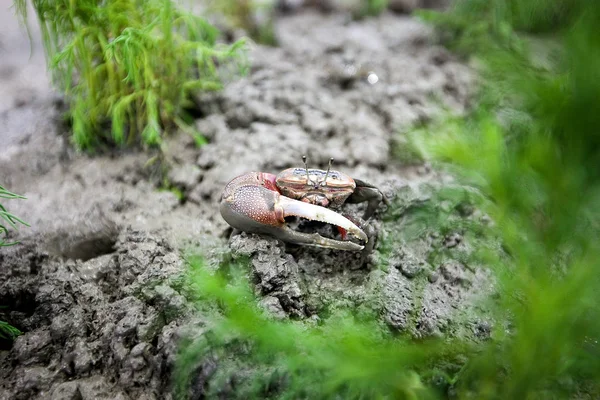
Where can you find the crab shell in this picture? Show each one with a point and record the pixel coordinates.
(321, 188)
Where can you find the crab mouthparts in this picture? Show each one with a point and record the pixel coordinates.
(317, 213)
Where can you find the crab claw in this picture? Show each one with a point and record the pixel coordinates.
(258, 209)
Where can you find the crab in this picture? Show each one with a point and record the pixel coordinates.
(259, 202)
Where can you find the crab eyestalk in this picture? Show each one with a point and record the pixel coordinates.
(324, 181)
(250, 205)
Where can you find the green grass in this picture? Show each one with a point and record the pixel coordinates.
(8, 331)
(11, 220)
(128, 67)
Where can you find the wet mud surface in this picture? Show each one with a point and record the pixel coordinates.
(95, 284)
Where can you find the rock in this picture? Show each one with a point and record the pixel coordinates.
(273, 307)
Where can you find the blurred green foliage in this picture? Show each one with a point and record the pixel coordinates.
(340, 357)
(476, 27)
(372, 7)
(128, 67)
(530, 153)
(255, 17)
(527, 159)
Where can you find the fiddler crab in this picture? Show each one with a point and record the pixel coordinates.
(259, 202)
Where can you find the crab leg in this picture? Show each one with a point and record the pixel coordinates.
(255, 208)
(366, 192)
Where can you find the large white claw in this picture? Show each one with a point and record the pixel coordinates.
(313, 212)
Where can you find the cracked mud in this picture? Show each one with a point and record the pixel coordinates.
(95, 283)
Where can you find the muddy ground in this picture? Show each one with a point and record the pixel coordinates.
(93, 283)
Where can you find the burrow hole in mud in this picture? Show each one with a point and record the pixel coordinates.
(14, 310)
(92, 248)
